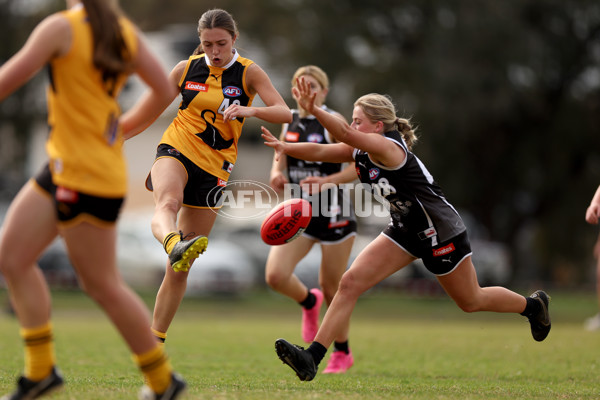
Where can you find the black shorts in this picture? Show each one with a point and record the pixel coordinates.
(325, 231)
(71, 204)
(439, 259)
(202, 189)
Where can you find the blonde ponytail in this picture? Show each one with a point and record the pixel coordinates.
(378, 107)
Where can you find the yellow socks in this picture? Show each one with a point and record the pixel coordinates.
(161, 336)
(156, 367)
(39, 352)
(170, 240)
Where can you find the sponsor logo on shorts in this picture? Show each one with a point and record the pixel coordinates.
(232, 91)
(292, 136)
(198, 87)
(174, 152)
(65, 195)
(221, 182)
(442, 251)
(338, 224)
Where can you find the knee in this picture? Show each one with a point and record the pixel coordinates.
(171, 205)
(10, 266)
(97, 292)
(329, 290)
(349, 286)
(274, 279)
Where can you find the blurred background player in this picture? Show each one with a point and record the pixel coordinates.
(198, 151)
(90, 50)
(591, 216)
(334, 230)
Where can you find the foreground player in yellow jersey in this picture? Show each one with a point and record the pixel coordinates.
(198, 151)
(90, 50)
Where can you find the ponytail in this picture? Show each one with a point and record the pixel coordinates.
(407, 132)
(378, 107)
(111, 55)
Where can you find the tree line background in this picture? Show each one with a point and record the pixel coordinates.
(505, 95)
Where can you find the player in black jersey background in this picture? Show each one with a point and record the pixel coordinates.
(423, 224)
(332, 229)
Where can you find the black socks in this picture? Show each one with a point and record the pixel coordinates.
(317, 351)
(532, 307)
(310, 301)
(337, 346)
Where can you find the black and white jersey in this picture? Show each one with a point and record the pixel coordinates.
(416, 203)
(334, 203)
(308, 129)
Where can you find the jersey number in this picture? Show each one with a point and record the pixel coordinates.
(225, 105)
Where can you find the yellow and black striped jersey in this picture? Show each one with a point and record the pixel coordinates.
(199, 131)
(85, 142)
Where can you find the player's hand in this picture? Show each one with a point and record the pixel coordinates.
(304, 94)
(315, 184)
(236, 111)
(592, 214)
(278, 181)
(273, 142)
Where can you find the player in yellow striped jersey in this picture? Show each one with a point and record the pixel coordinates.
(198, 151)
(90, 50)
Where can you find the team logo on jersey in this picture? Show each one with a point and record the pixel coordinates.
(373, 173)
(292, 136)
(442, 251)
(315, 138)
(232, 91)
(198, 87)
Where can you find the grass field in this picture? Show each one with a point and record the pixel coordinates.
(404, 348)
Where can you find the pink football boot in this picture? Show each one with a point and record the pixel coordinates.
(310, 318)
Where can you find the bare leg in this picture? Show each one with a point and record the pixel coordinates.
(168, 179)
(370, 267)
(93, 252)
(333, 265)
(279, 270)
(172, 289)
(29, 227)
(462, 286)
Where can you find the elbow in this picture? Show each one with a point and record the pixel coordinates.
(287, 116)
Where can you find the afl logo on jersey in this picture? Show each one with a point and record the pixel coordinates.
(232, 91)
(315, 138)
(373, 173)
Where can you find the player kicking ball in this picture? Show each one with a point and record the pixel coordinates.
(423, 224)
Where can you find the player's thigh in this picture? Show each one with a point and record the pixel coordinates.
(334, 260)
(92, 250)
(461, 284)
(380, 259)
(169, 178)
(29, 226)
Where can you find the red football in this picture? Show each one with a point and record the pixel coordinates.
(286, 221)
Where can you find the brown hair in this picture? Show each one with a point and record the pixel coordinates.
(216, 18)
(315, 72)
(379, 107)
(111, 54)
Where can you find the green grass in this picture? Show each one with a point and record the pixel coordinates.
(404, 348)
